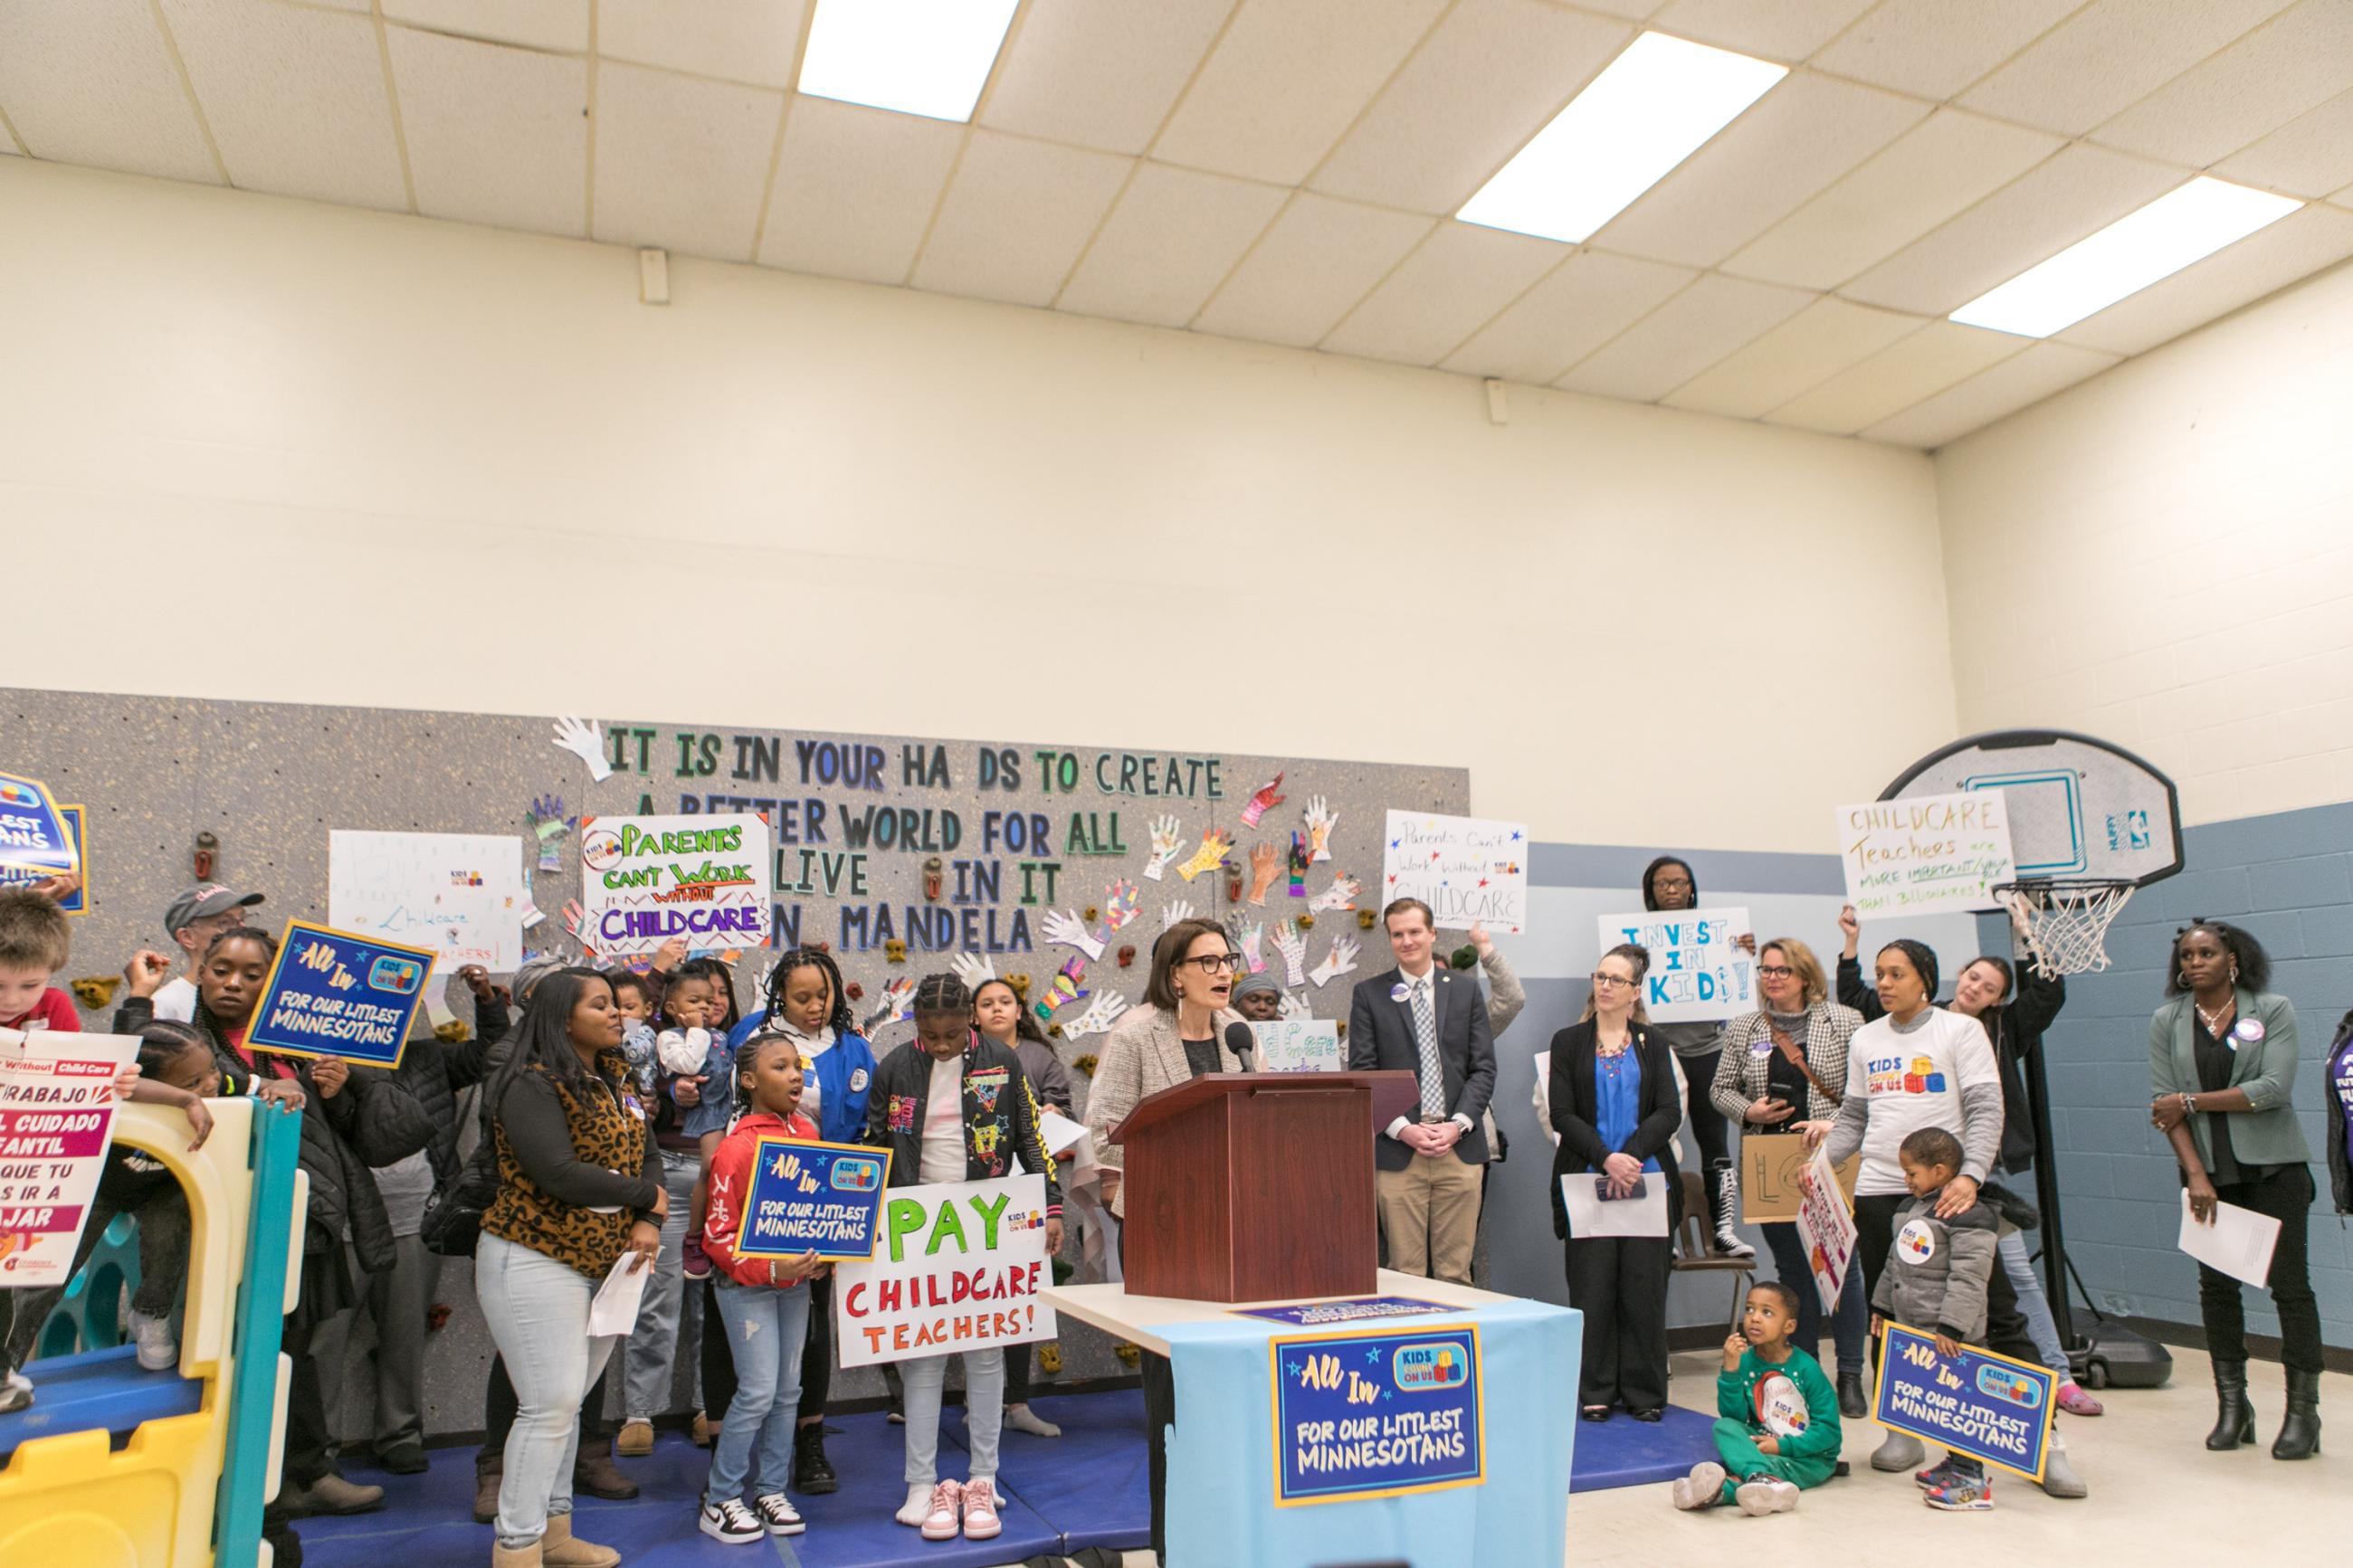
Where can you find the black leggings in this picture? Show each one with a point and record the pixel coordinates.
(816, 1353)
(1707, 1123)
(2286, 1196)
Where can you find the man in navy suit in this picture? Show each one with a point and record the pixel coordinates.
(1422, 1018)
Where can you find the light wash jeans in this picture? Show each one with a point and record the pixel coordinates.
(669, 1308)
(766, 1330)
(2041, 1326)
(538, 1312)
(984, 1411)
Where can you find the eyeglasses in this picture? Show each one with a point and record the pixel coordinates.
(1215, 963)
(1774, 972)
(1665, 882)
(1613, 980)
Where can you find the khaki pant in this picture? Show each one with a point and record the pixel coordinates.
(1430, 1212)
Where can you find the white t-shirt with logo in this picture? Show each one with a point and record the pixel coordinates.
(1912, 1079)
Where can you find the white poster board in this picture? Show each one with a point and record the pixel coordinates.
(56, 1119)
(1925, 853)
(645, 879)
(1298, 1045)
(1467, 869)
(459, 894)
(958, 1267)
(1826, 1227)
(1698, 970)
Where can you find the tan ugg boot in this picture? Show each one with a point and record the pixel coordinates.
(559, 1548)
(515, 1556)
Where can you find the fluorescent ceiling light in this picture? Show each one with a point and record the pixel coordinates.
(919, 57)
(1652, 108)
(2184, 224)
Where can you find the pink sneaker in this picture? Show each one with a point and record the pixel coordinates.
(945, 1517)
(693, 1259)
(980, 1521)
(2075, 1401)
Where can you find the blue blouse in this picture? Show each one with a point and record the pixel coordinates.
(1617, 1101)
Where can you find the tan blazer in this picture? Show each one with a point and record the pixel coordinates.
(1142, 1055)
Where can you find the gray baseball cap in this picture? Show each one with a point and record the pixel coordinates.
(202, 902)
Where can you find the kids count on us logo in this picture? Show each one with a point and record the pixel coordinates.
(855, 1174)
(2010, 1386)
(1893, 1075)
(400, 976)
(1427, 1366)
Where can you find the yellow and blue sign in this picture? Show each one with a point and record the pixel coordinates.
(1376, 1413)
(825, 1198)
(1989, 1406)
(34, 835)
(77, 901)
(334, 993)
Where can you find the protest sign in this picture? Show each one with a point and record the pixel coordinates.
(338, 993)
(1467, 870)
(1927, 852)
(1826, 1226)
(460, 895)
(645, 879)
(825, 1198)
(1298, 1045)
(1986, 1406)
(1698, 971)
(958, 1267)
(33, 837)
(1323, 1314)
(1770, 1166)
(77, 901)
(1376, 1413)
(57, 1116)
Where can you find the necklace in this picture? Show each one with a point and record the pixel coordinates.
(2213, 1021)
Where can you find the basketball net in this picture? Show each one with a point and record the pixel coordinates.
(2065, 923)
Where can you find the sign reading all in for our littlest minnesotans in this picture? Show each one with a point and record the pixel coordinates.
(332, 994)
(1376, 1413)
(1986, 1406)
(825, 1198)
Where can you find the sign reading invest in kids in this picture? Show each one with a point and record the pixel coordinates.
(1375, 1413)
(1927, 852)
(57, 1113)
(825, 1198)
(334, 993)
(1468, 871)
(959, 1266)
(645, 879)
(1699, 970)
(1977, 1403)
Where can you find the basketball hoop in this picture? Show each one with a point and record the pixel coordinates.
(2066, 921)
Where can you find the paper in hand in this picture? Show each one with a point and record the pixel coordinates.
(615, 1309)
(1058, 1131)
(2239, 1243)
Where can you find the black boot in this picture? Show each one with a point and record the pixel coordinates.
(1723, 1209)
(811, 1472)
(2299, 1436)
(1853, 1405)
(2236, 1422)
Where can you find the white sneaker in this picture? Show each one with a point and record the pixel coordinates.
(777, 1511)
(1704, 1488)
(15, 1391)
(157, 1349)
(731, 1521)
(1765, 1494)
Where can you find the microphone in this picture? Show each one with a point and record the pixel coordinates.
(1242, 1043)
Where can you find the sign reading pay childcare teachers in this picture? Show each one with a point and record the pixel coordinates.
(958, 1267)
(1468, 871)
(1298, 1045)
(645, 879)
(1698, 970)
(57, 1113)
(1928, 852)
(337, 993)
(1375, 1413)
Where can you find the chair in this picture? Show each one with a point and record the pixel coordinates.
(1694, 1252)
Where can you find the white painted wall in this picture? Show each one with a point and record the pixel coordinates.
(2163, 556)
(395, 461)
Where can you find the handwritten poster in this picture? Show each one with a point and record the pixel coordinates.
(459, 895)
(959, 1267)
(1375, 1413)
(1770, 1164)
(825, 1198)
(645, 879)
(33, 835)
(1826, 1226)
(1698, 970)
(1298, 1045)
(1977, 1403)
(1466, 870)
(57, 1115)
(338, 993)
(1926, 853)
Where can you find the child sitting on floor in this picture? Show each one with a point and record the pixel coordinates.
(1778, 1431)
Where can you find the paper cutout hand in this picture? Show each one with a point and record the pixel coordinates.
(1208, 857)
(1178, 911)
(1294, 949)
(1098, 1018)
(1068, 986)
(1336, 962)
(1253, 936)
(973, 968)
(1065, 929)
(897, 1000)
(1265, 865)
(573, 917)
(586, 741)
(1120, 904)
(1340, 895)
(1321, 820)
(1295, 1006)
(1265, 800)
(1297, 861)
(1167, 835)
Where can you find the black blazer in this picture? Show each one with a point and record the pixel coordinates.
(1381, 1039)
(1575, 1117)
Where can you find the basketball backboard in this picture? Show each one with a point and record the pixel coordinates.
(2080, 808)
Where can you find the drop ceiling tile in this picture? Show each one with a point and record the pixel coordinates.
(753, 41)
(1701, 325)
(2080, 190)
(1919, 366)
(1796, 139)
(680, 162)
(1770, 29)
(1940, 166)
(1318, 259)
(1632, 10)
(496, 135)
(855, 189)
(1447, 289)
(1173, 236)
(1017, 214)
(1286, 81)
(1099, 76)
(2297, 246)
(2309, 157)
(1935, 47)
(295, 98)
(2109, 56)
(2001, 389)
(1491, 76)
(1588, 298)
(560, 24)
(2299, 61)
(1807, 349)
(93, 83)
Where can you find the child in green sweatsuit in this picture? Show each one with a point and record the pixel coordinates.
(1762, 1470)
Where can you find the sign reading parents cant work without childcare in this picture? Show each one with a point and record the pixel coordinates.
(645, 879)
(1468, 871)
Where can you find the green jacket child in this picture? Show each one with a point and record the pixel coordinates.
(1774, 1447)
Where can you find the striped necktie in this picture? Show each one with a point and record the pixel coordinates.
(1425, 1032)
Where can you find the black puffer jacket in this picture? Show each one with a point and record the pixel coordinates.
(434, 1075)
(2015, 1028)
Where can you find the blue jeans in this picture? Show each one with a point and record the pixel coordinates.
(1851, 1328)
(668, 1309)
(766, 1329)
(538, 1312)
(2032, 1305)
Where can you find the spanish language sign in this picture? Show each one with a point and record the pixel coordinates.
(459, 894)
(33, 833)
(825, 1198)
(1375, 1413)
(1324, 1314)
(57, 1114)
(335, 994)
(645, 879)
(1699, 970)
(1826, 1227)
(1925, 853)
(1467, 870)
(1298, 1045)
(958, 1267)
(1977, 1403)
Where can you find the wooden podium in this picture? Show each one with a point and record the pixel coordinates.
(1257, 1186)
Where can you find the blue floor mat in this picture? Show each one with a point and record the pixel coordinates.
(1624, 1452)
(1091, 1482)
(97, 1389)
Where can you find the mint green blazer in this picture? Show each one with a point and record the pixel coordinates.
(2267, 1135)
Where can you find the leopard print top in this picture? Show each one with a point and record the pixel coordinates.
(604, 1132)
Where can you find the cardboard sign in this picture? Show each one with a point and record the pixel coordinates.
(1929, 852)
(33, 837)
(1298, 1045)
(338, 993)
(958, 1267)
(825, 1198)
(77, 901)
(1467, 870)
(57, 1117)
(1376, 1413)
(1770, 1166)
(1698, 971)
(1986, 1406)
(645, 879)
(1323, 1314)
(1826, 1225)
(460, 895)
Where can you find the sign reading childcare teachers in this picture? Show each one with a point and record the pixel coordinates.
(959, 1267)
(34, 835)
(1375, 1413)
(1298, 1045)
(335, 994)
(1924, 853)
(1977, 1403)
(1698, 969)
(1467, 870)
(825, 1198)
(645, 879)
(57, 1113)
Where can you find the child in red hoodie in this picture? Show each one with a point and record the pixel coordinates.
(764, 1306)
